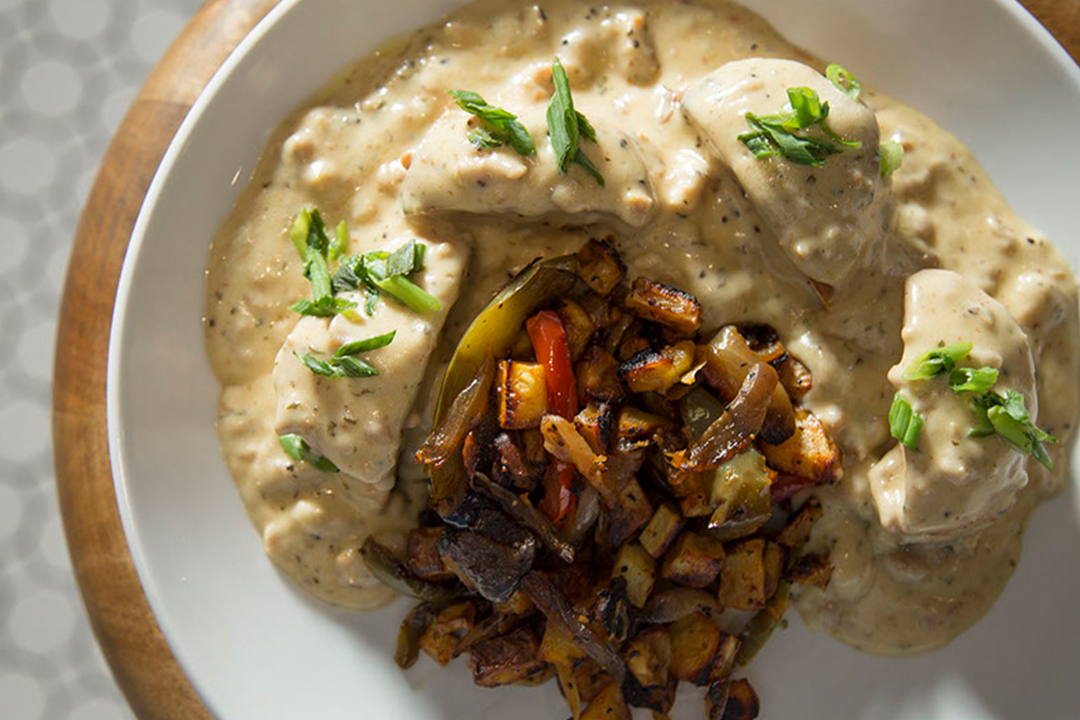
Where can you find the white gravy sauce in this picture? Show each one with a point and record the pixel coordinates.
(755, 240)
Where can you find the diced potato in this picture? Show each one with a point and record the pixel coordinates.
(598, 376)
(648, 658)
(658, 370)
(665, 305)
(811, 569)
(742, 701)
(600, 266)
(577, 326)
(637, 426)
(742, 578)
(798, 529)
(558, 646)
(694, 560)
(597, 424)
(424, 558)
(795, 377)
(441, 639)
(765, 342)
(661, 530)
(716, 699)
(508, 659)
(631, 345)
(809, 453)
(608, 705)
(586, 678)
(518, 604)
(638, 569)
(630, 512)
(521, 392)
(726, 655)
(695, 642)
(774, 567)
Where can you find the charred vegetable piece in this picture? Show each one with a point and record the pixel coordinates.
(660, 532)
(762, 625)
(441, 451)
(550, 600)
(695, 560)
(520, 509)
(638, 569)
(630, 512)
(597, 424)
(811, 569)
(598, 376)
(424, 559)
(742, 701)
(736, 428)
(608, 705)
(559, 499)
(492, 626)
(677, 603)
(742, 579)
(699, 409)
(412, 630)
(648, 658)
(521, 393)
(558, 646)
(494, 569)
(562, 440)
(666, 305)
(518, 604)
(581, 683)
(515, 468)
(716, 699)
(614, 610)
(740, 494)
(600, 266)
(577, 325)
(795, 377)
(657, 370)
(638, 428)
(809, 453)
(798, 529)
(765, 342)
(696, 642)
(442, 636)
(393, 573)
(505, 660)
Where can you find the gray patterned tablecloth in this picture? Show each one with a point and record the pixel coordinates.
(68, 71)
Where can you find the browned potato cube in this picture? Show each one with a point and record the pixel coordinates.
(742, 579)
(631, 510)
(424, 558)
(797, 531)
(742, 701)
(665, 305)
(809, 453)
(812, 569)
(726, 655)
(658, 370)
(521, 392)
(586, 679)
(695, 642)
(638, 427)
(630, 346)
(577, 326)
(664, 525)
(608, 705)
(795, 377)
(508, 659)
(597, 424)
(600, 266)
(638, 569)
(598, 376)
(441, 638)
(774, 567)
(694, 561)
(648, 658)
(558, 646)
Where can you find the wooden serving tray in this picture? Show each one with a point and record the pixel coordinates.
(136, 651)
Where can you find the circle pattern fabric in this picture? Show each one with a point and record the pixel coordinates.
(68, 71)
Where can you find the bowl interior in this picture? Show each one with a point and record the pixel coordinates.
(255, 647)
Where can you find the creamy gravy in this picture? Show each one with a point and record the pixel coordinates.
(385, 150)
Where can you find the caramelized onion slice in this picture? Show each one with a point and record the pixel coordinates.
(521, 510)
(467, 409)
(678, 603)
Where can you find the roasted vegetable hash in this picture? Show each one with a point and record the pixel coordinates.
(615, 496)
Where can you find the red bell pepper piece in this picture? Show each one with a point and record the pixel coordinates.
(559, 498)
(549, 342)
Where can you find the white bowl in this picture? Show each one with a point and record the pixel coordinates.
(255, 647)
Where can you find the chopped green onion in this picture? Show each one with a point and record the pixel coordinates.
(500, 127)
(844, 80)
(777, 134)
(326, 306)
(298, 449)
(410, 294)
(340, 246)
(892, 157)
(904, 423)
(363, 346)
(567, 126)
(348, 366)
(937, 361)
(975, 380)
(1007, 416)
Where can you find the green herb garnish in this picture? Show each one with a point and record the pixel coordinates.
(298, 449)
(892, 157)
(326, 306)
(976, 380)
(498, 127)
(340, 246)
(345, 362)
(904, 423)
(567, 126)
(937, 361)
(1007, 416)
(382, 272)
(315, 248)
(783, 133)
(844, 81)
